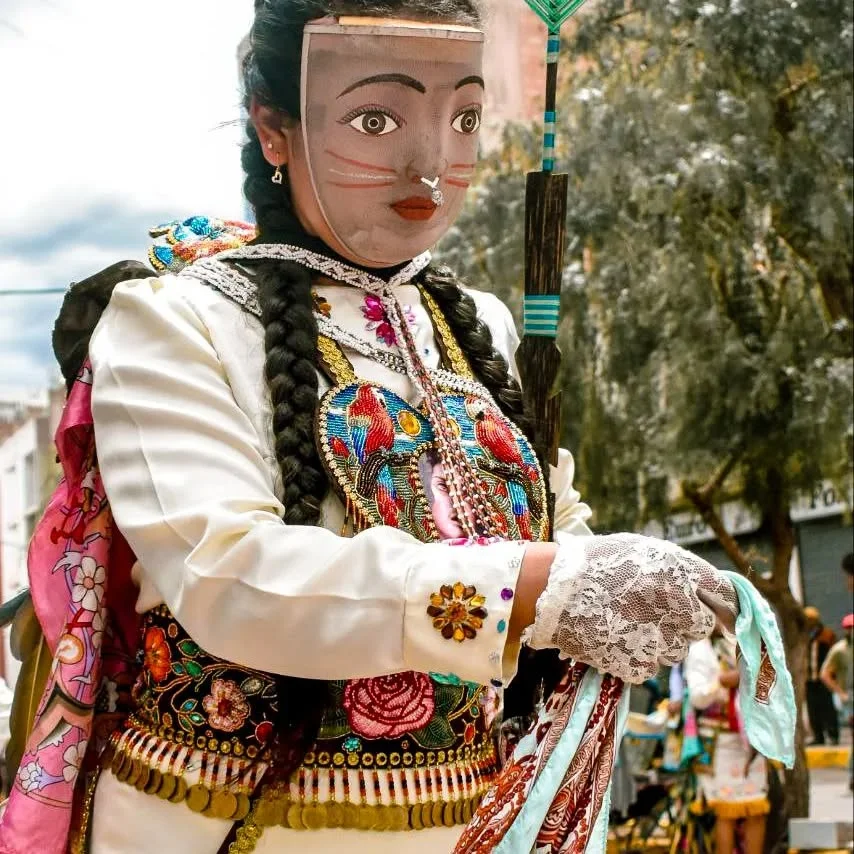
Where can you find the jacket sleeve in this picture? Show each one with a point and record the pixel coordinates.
(191, 492)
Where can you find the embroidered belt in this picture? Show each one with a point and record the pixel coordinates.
(391, 799)
(201, 730)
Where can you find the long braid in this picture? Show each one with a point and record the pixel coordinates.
(475, 340)
(290, 341)
(290, 369)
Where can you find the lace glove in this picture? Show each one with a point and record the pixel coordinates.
(626, 604)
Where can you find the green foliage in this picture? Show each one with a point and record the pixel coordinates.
(708, 292)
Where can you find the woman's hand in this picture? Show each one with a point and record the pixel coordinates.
(626, 604)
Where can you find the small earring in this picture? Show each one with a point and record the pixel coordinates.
(277, 176)
(269, 145)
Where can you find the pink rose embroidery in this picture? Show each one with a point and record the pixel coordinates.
(226, 706)
(389, 706)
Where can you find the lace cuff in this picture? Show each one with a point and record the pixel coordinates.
(627, 604)
(568, 562)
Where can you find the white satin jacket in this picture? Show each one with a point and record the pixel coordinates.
(183, 428)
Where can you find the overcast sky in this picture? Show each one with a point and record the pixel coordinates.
(110, 122)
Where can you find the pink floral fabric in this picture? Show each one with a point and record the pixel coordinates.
(79, 567)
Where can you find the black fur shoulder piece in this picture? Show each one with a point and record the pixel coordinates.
(82, 307)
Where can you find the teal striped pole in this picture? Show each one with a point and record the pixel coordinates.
(550, 114)
(541, 313)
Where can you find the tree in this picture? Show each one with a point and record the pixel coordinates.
(707, 327)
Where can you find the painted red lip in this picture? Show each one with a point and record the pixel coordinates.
(415, 208)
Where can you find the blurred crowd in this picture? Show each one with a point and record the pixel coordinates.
(687, 724)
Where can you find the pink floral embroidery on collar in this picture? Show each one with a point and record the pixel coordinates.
(377, 320)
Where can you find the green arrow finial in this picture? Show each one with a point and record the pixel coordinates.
(554, 13)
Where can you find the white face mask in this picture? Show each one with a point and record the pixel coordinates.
(391, 113)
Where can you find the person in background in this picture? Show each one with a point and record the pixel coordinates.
(822, 713)
(736, 788)
(838, 675)
(675, 690)
(848, 569)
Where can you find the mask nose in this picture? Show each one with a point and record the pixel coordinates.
(429, 160)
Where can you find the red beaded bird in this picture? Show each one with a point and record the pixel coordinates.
(494, 435)
(372, 435)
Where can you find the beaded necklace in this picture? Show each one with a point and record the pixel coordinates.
(473, 511)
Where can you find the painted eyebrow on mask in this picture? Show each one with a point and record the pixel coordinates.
(402, 79)
(471, 79)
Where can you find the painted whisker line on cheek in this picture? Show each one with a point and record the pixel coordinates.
(462, 165)
(361, 176)
(349, 160)
(456, 182)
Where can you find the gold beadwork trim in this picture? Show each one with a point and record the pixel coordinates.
(181, 740)
(474, 754)
(79, 836)
(459, 363)
(332, 358)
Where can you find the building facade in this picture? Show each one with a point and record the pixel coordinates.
(824, 534)
(514, 66)
(28, 474)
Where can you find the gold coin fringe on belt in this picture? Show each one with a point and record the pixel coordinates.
(274, 808)
(215, 803)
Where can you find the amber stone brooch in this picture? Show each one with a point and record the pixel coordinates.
(457, 611)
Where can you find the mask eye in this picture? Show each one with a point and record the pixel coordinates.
(373, 123)
(467, 121)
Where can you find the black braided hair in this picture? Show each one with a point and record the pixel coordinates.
(475, 340)
(271, 74)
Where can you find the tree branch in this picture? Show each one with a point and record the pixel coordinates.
(708, 491)
(620, 16)
(712, 518)
(816, 77)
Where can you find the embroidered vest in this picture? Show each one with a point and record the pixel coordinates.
(410, 750)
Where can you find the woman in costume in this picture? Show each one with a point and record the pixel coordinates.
(314, 447)
(736, 787)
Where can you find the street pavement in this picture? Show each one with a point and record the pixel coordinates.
(830, 798)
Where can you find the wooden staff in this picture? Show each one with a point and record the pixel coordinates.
(545, 238)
